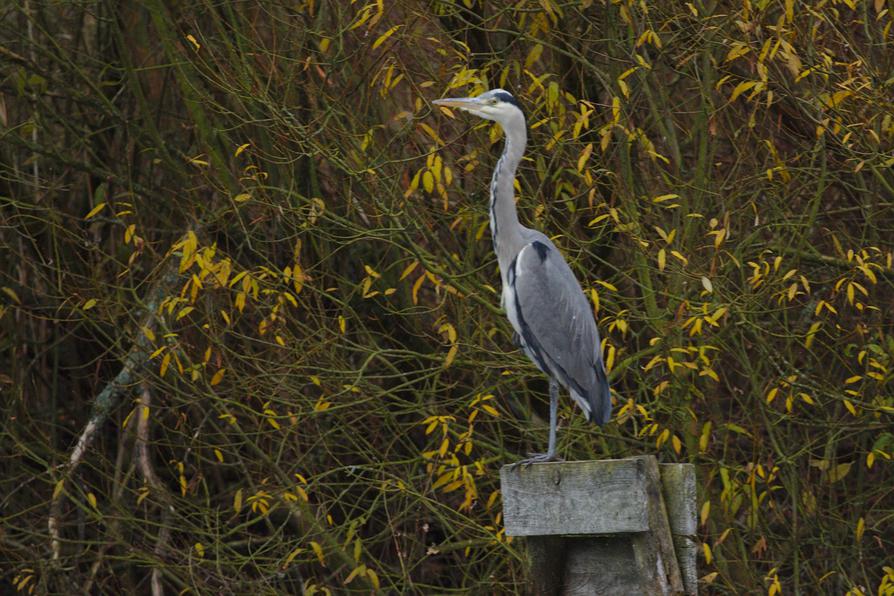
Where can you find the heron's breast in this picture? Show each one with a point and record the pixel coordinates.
(510, 305)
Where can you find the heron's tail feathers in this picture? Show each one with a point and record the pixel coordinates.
(594, 396)
(599, 397)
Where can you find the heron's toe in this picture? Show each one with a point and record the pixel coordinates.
(536, 458)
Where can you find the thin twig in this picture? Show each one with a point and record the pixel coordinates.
(107, 399)
(147, 471)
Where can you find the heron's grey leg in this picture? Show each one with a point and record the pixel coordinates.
(550, 454)
(553, 415)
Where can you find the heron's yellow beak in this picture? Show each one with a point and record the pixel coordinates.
(463, 103)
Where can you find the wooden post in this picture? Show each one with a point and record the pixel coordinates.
(604, 527)
(678, 484)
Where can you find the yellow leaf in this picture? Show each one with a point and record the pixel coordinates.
(57, 490)
(219, 455)
(706, 283)
(194, 42)
(709, 372)
(450, 330)
(838, 97)
(12, 294)
(666, 197)
(127, 419)
(408, 270)
(861, 526)
(241, 148)
(707, 550)
(428, 181)
(490, 410)
(705, 512)
(718, 314)
(662, 259)
(738, 49)
(89, 304)
(533, 55)
(705, 437)
(869, 274)
(188, 245)
(94, 211)
(584, 156)
(416, 286)
(598, 219)
(318, 550)
(237, 501)
(435, 137)
(342, 324)
(627, 73)
(218, 377)
(451, 355)
(298, 278)
(839, 472)
(200, 549)
(165, 362)
(242, 197)
(292, 556)
(91, 498)
(382, 38)
(357, 571)
(373, 578)
(811, 334)
(741, 88)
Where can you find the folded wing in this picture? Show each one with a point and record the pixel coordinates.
(555, 324)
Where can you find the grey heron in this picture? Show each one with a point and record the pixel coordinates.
(552, 319)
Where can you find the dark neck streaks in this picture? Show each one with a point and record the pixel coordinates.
(504, 224)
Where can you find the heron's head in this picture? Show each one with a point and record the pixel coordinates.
(497, 105)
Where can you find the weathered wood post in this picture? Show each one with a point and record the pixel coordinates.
(623, 526)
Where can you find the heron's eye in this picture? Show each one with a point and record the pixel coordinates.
(493, 101)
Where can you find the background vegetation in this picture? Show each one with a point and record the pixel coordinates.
(244, 258)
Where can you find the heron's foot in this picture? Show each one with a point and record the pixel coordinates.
(536, 458)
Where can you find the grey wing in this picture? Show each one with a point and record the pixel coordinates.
(555, 323)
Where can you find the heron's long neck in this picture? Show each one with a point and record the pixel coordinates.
(504, 226)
